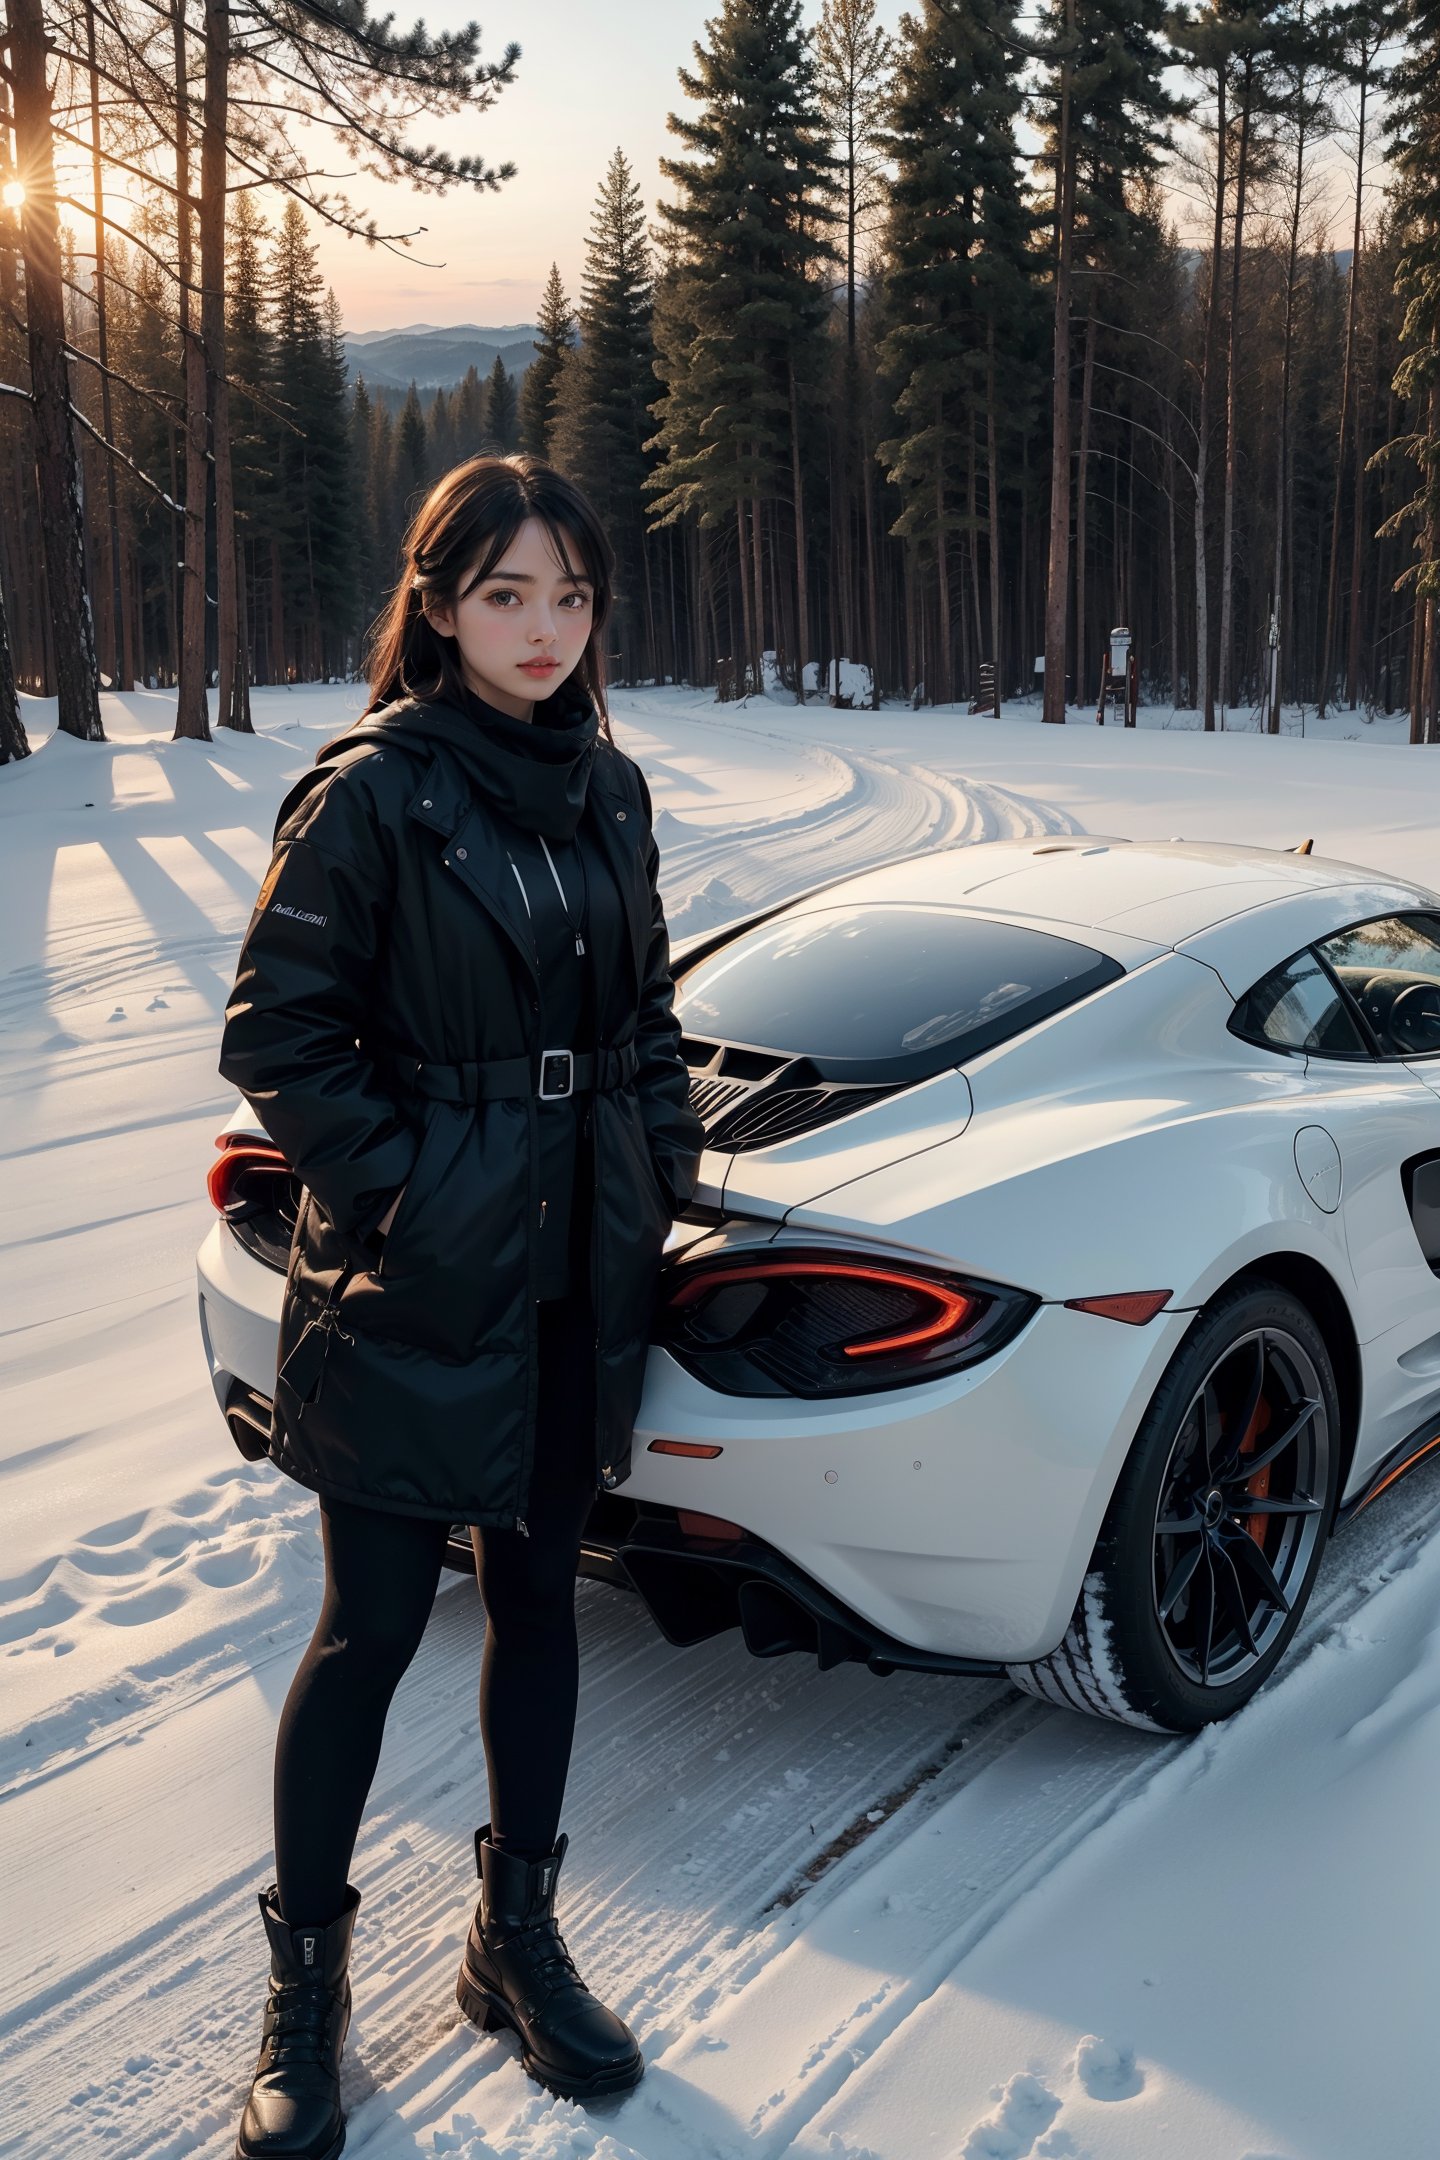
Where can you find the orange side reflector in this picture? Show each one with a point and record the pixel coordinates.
(684, 1447)
(707, 1526)
(1134, 1307)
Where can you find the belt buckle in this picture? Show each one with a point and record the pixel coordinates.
(556, 1094)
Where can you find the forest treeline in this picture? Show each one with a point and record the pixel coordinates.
(947, 349)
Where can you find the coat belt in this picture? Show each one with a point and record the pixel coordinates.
(493, 1079)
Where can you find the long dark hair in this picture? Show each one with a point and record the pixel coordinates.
(455, 538)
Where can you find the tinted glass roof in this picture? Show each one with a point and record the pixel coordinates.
(891, 985)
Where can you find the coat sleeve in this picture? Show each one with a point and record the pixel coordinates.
(662, 1080)
(299, 1005)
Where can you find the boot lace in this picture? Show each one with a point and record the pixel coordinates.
(543, 1946)
(299, 2027)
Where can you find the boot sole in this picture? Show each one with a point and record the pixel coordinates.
(492, 2013)
(331, 2152)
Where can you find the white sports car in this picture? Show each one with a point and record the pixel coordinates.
(1063, 1267)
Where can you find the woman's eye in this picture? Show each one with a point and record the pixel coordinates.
(504, 594)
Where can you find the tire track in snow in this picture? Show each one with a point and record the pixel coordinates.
(873, 810)
(705, 1785)
(793, 2038)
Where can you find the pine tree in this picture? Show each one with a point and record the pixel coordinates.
(956, 290)
(602, 416)
(311, 562)
(412, 454)
(555, 321)
(469, 414)
(501, 408)
(1415, 127)
(1109, 119)
(756, 204)
(854, 63)
(146, 348)
(255, 421)
(362, 484)
(854, 57)
(389, 503)
(440, 435)
(334, 533)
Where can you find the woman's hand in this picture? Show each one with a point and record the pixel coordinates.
(389, 1216)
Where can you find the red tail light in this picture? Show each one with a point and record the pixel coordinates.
(252, 1185)
(232, 1169)
(812, 1323)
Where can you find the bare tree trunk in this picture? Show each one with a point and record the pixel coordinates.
(975, 628)
(232, 670)
(744, 575)
(872, 592)
(1428, 701)
(1332, 588)
(121, 645)
(1203, 692)
(802, 595)
(757, 572)
(1357, 534)
(1082, 480)
(1058, 586)
(938, 692)
(14, 743)
(1023, 599)
(992, 460)
(1174, 569)
(57, 471)
(192, 705)
(279, 662)
(1282, 447)
(1232, 402)
(241, 717)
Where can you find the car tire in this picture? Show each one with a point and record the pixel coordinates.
(1175, 1626)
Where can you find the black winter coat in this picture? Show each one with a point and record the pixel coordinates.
(389, 929)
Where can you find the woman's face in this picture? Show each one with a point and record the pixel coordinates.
(523, 628)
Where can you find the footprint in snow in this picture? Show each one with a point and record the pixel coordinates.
(1107, 2070)
(119, 1013)
(1025, 2109)
(158, 1004)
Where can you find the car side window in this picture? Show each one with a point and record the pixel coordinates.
(1298, 1008)
(1391, 968)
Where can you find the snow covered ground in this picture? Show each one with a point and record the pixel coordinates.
(850, 1919)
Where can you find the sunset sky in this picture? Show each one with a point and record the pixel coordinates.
(588, 81)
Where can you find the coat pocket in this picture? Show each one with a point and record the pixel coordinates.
(455, 1256)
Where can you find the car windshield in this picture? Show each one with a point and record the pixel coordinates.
(884, 985)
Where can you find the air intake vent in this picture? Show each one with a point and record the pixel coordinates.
(774, 1114)
(740, 1097)
(709, 1098)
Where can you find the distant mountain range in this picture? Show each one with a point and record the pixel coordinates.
(436, 356)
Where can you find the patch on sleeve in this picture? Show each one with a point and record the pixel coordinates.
(297, 887)
(272, 879)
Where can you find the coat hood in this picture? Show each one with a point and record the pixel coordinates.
(534, 772)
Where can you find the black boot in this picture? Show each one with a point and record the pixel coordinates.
(516, 1971)
(293, 2112)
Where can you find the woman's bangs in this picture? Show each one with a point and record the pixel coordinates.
(498, 540)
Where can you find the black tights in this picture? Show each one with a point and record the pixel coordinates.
(381, 1573)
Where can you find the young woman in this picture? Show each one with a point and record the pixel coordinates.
(453, 1013)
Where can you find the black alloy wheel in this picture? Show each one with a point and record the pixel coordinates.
(1216, 1528)
(1239, 1518)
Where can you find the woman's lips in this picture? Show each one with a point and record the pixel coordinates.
(539, 667)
